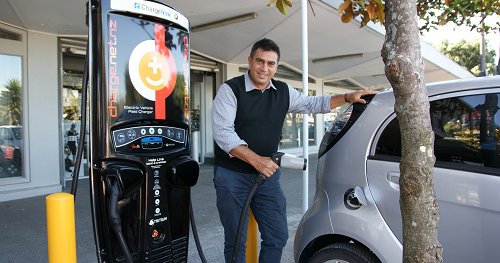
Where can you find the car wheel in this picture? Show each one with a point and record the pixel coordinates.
(343, 253)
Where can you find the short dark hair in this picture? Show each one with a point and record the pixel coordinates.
(266, 45)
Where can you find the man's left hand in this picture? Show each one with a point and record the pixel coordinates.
(355, 97)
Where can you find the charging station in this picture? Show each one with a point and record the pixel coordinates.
(141, 172)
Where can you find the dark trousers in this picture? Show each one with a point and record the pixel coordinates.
(268, 206)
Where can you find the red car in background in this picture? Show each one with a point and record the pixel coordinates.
(11, 144)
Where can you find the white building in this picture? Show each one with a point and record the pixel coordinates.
(42, 44)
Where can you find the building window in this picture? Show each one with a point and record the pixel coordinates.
(291, 133)
(13, 49)
(11, 110)
(9, 35)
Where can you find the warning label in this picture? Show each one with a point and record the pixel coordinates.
(155, 161)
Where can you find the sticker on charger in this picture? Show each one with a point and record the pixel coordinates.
(156, 221)
(151, 9)
(155, 161)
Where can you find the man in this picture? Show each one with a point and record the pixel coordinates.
(248, 114)
(72, 135)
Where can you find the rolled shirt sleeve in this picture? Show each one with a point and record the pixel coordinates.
(223, 116)
(300, 103)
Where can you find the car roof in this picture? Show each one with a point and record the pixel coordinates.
(458, 85)
(463, 84)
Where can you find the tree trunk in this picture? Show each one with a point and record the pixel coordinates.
(498, 66)
(404, 70)
(498, 63)
(498, 55)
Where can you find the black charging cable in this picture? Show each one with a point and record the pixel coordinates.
(83, 124)
(195, 234)
(115, 218)
(236, 248)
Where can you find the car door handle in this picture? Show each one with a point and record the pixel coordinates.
(393, 179)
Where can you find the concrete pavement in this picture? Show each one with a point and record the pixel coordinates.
(23, 237)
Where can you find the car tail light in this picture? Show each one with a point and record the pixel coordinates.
(8, 152)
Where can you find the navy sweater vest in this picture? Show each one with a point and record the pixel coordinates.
(259, 120)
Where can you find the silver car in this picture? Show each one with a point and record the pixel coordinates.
(355, 215)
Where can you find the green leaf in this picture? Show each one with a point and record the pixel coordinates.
(271, 3)
(282, 7)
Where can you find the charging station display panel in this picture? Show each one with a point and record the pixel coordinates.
(147, 70)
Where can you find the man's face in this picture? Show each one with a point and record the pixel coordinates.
(263, 66)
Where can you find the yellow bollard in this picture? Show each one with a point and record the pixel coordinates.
(251, 252)
(60, 209)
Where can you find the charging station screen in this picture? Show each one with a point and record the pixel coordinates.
(147, 71)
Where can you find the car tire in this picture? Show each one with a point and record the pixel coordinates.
(344, 253)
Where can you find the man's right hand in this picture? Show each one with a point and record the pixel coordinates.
(263, 165)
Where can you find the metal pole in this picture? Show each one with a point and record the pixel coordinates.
(305, 122)
(195, 137)
(482, 53)
(498, 62)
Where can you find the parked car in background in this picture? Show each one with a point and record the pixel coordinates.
(11, 144)
(355, 215)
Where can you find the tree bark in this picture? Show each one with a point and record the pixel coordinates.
(498, 66)
(498, 63)
(404, 69)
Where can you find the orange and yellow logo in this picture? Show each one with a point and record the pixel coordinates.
(151, 71)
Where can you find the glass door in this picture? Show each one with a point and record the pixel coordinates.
(202, 95)
(73, 61)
